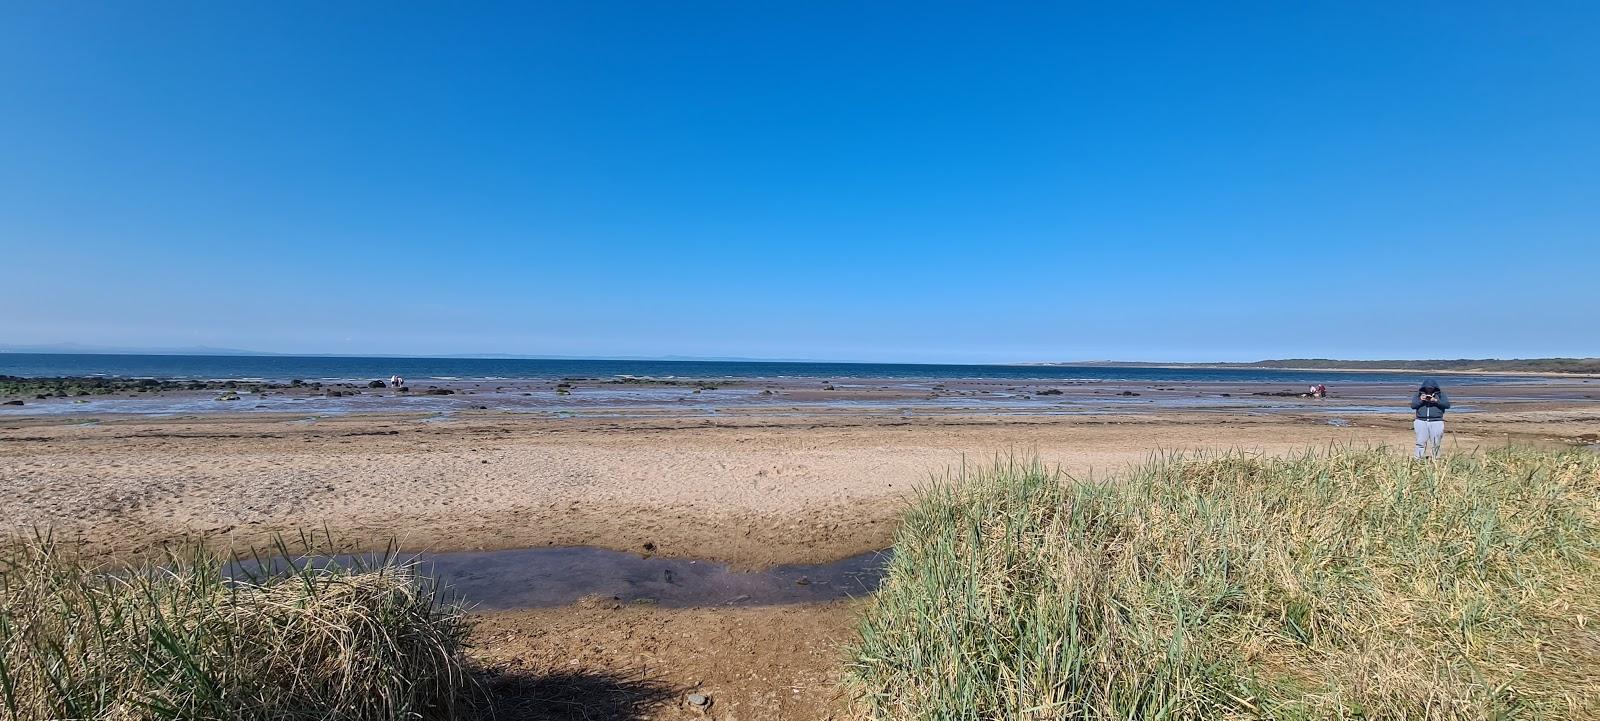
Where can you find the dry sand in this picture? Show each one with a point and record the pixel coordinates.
(749, 491)
(602, 660)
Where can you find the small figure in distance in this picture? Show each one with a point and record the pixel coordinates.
(1430, 403)
(395, 381)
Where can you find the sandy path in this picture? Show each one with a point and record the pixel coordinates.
(601, 660)
(752, 492)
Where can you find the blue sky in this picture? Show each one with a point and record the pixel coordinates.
(866, 181)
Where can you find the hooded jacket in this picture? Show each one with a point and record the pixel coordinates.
(1430, 410)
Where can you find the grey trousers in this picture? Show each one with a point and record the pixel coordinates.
(1430, 437)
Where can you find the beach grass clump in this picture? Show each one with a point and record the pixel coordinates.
(1342, 584)
(180, 637)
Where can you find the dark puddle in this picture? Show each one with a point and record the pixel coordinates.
(546, 577)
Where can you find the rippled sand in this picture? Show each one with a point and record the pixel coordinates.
(752, 490)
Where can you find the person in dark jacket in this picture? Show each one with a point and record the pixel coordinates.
(1430, 403)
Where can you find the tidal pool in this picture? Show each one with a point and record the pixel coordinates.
(547, 577)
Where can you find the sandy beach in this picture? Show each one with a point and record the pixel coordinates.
(752, 491)
(752, 487)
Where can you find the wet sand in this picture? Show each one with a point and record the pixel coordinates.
(628, 397)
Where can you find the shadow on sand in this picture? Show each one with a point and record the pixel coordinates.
(574, 695)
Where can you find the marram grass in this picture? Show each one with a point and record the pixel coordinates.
(178, 639)
(1347, 584)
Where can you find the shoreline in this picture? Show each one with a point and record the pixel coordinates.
(635, 397)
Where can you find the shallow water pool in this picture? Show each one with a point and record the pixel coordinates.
(546, 577)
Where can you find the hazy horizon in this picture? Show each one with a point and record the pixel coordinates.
(89, 349)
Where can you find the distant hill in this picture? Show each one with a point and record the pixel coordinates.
(1480, 365)
(1459, 365)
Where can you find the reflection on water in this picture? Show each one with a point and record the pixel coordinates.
(545, 577)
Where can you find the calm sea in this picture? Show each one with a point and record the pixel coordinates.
(283, 368)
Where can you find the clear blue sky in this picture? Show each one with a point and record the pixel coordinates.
(874, 181)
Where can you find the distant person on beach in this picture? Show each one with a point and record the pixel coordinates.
(396, 381)
(1430, 403)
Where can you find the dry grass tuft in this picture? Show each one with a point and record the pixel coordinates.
(178, 639)
(1338, 585)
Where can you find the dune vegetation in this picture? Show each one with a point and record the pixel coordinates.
(179, 638)
(1339, 584)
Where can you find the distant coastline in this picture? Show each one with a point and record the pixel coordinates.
(1552, 367)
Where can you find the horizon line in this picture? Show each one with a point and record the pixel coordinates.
(211, 352)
